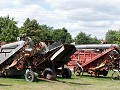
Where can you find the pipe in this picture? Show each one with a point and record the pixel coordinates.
(96, 46)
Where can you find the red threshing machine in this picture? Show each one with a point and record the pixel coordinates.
(95, 59)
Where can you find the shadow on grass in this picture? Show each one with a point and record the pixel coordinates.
(61, 80)
(14, 77)
(59, 77)
(101, 77)
(75, 83)
(5, 85)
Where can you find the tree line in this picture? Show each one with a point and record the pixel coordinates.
(31, 28)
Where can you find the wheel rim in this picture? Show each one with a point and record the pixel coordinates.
(78, 71)
(115, 75)
(29, 76)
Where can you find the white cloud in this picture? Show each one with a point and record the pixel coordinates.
(116, 25)
(91, 16)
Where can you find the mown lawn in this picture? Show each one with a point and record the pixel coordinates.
(85, 82)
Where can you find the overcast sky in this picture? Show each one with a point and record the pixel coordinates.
(93, 17)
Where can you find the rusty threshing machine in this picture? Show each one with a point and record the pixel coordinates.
(46, 59)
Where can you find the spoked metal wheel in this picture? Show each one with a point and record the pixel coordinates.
(115, 75)
(78, 70)
(29, 75)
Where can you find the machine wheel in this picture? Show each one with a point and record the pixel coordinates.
(29, 75)
(78, 71)
(49, 74)
(66, 73)
(105, 72)
(115, 75)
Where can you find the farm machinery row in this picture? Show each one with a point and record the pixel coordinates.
(46, 59)
(96, 59)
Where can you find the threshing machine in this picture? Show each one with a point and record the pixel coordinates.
(95, 59)
(43, 58)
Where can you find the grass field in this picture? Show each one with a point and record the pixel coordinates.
(85, 82)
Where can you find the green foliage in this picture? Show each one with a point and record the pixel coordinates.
(31, 28)
(46, 32)
(83, 38)
(43, 32)
(8, 29)
(113, 37)
(94, 40)
(61, 35)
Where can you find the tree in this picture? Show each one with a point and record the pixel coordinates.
(94, 40)
(112, 36)
(83, 38)
(37, 32)
(68, 38)
(61, 35)
(31, 29)
(46, 32)
(8, 29)
(43, 32)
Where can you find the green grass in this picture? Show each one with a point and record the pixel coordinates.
(85, 82)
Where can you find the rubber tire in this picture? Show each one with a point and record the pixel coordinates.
(29, 75)
(49, 74)
(105, 72)
(67, 73)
